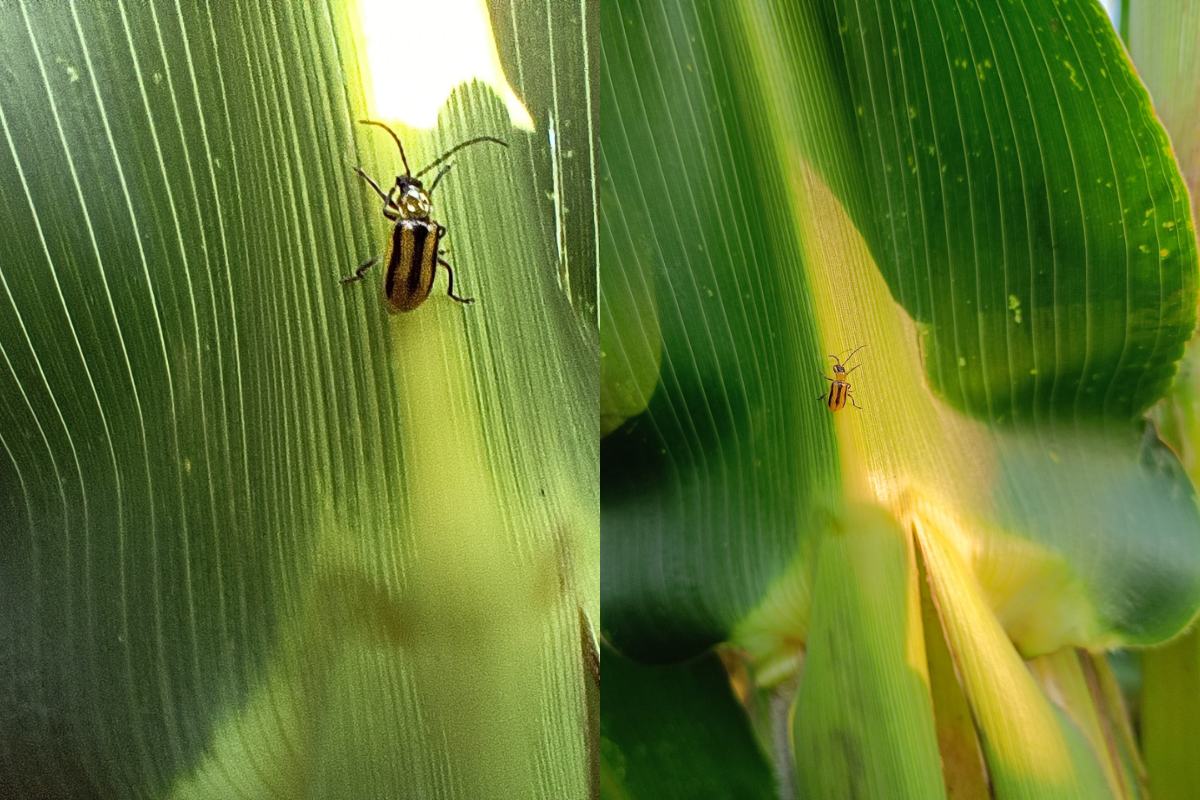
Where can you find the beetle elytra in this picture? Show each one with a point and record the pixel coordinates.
(413, 255)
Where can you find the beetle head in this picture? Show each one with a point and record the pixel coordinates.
(412, 199)
(838, 369)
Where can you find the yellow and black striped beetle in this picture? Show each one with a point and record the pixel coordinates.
(412, 254)
(839, 388)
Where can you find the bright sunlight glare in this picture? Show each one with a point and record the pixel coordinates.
(418, 51)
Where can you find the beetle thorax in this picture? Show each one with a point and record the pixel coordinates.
(414, 202)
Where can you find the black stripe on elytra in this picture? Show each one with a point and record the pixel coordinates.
(837, 394)
(415, 272)
(394, 261)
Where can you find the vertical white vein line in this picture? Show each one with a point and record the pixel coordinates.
(1082, 223)
(237, 346)
(971, 203)
(86, 545)
(216, 528)
(185, 527)
(589, 98)
(270, 373)
(564, 270)
(165, 691)
(1115, 378)
(1014, 409)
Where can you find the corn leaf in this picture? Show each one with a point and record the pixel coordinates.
(1162, 39)
(866, 653)
(714, 490)
(260, 538)
(676, 732)
(981, 194)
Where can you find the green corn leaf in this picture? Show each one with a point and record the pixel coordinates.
(866, 653)
(676, 732)
(1022, 182)
(1072, 681)
(1114, 711)
(981, 194)
(1170, 706)
(718, 487)
(260, 537)
(704, 493)
(964, 769)
(1161, 41)
(1033, 749)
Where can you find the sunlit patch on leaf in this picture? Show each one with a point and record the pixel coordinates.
(418, 51)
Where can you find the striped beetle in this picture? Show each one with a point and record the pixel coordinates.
(839, 387)
(412, 254)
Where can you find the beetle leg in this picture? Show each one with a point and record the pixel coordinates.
(390, 210)
(852, 400)
(450, 286)
(826, 377)
(361, 271)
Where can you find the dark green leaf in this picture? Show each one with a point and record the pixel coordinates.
(707, 494)
(1027, 209)
(676, 732)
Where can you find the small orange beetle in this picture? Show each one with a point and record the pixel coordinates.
(839, 387)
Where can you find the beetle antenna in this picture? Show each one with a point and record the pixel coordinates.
(456, 148)
(852, 352)
(384, 125)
